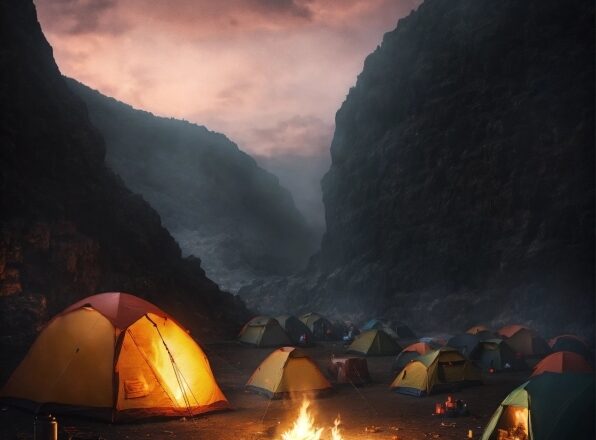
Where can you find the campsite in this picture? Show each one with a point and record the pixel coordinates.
(297, 220)
(116, 358)
(255, 417)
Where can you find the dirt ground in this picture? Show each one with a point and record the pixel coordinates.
(255, 417)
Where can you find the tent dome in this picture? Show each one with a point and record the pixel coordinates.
(374, 343)
(263, 331)
(115, 356)
(442, 369)
(562, 362)
(287, 371)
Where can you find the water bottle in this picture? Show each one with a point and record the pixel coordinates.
(45, 427)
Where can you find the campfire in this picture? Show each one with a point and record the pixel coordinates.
(304, 427)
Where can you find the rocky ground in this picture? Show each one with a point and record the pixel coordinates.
(255, 417)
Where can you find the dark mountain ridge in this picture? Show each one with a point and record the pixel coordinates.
(214, 199)
(461, 188)
(69, 226)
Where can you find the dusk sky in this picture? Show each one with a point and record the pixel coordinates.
(269, 74)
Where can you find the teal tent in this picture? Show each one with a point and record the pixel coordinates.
(548, 407)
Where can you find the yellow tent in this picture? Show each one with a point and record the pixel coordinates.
(444, 368)
(115, 356)
(263, 331)
(374, 343)
(286, 371)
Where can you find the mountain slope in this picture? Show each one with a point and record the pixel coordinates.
(212, 197)
(69, 226)
(462, 180)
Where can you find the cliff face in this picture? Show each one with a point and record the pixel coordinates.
(214, 199)
(68, 226)
(462, 180)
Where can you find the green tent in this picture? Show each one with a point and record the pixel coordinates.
(442, 369)
(263, 331)
(374, 343)
(548, 407)
(322, 329)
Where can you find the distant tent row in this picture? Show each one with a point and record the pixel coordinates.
(526, 342)
(265, 331)
(516, 347)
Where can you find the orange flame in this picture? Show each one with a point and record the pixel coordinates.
(520, 417)
(335, 434)
(304, 427)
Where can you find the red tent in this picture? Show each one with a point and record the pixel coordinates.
(562, 362)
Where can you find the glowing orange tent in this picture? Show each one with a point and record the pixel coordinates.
(562, 362)
(115, 356)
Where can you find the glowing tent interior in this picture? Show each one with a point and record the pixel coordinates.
(118, 357)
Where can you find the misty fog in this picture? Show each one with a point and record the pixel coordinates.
(301, 175)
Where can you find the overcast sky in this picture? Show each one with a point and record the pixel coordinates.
(269, 74)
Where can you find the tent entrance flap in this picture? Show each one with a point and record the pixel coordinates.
(174, 367)
(513, 424)
(451, 371)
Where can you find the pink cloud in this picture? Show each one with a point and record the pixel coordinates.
(268, 73)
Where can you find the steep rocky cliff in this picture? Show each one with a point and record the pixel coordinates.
(68, 225)
(462, 180)
(214, 199)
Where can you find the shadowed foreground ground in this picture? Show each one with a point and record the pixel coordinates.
(255, 417)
